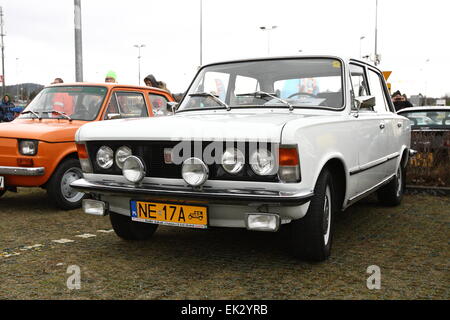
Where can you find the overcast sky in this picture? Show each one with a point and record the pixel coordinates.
(39, 42)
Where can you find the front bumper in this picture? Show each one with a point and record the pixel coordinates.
(208, 195)
(22, 171)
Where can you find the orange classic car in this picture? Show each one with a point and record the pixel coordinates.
(37, 149)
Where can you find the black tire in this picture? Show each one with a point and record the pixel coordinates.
(392, 193)
(2, 192)
(58, 188)
(308, 236)
(127, 229)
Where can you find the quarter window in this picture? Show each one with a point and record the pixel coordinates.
(359, 81)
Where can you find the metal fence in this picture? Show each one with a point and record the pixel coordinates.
(430, 167)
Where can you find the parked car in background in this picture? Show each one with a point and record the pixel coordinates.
(430, 137)
(254, 144)
(38, 148)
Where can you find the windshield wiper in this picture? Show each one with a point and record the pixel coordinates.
(32, 112)
(207, 94)
(60, 113)
(266, 94)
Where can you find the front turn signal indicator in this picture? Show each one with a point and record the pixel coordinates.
(289, 164)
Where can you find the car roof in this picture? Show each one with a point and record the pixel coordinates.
(344, 59)
(424, 108)
(108, 85)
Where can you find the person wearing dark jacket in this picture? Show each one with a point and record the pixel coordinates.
(7, 109)
(400, 102)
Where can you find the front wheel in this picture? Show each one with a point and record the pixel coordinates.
(59, 189)
(312, 235)
(127, 229)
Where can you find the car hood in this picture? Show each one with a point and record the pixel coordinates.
(50, 130)
(199, 126)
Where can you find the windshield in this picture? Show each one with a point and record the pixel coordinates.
(431, 118)
(280, 83)
(71, 102)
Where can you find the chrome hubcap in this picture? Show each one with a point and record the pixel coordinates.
(70, 176)
(327, 216)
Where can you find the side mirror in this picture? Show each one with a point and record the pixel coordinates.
(172, 106)
(365, 102)
(111, 116)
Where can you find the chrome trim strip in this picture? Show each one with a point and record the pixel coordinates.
(219, 196)
(374, 164)
(22, 171)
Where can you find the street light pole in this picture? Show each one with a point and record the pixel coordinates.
(139, 60)
(201, 32)
(78, 43)
(360, 46)
(268, 29)
(3, 51)
(376, 59)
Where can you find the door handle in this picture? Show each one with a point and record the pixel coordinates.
(382, 126)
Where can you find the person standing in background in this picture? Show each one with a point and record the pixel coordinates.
(7, 109)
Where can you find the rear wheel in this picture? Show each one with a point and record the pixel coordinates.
(312, 235)
(127, 229)
(392, 193)
(59, 188)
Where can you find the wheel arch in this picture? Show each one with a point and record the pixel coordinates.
(336, 165)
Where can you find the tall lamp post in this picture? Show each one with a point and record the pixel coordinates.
(139, 46)
(201, 32)
(268, 29)
(376, 57)
(360, 46)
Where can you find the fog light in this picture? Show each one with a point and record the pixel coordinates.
(94, 207)
(263, 221)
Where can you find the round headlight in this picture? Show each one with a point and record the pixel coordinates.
(105, 157)
(194, 172)
(233, 160)
(133, 169)
(121, 155)
(262, 162)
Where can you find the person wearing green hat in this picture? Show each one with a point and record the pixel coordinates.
(111, 77)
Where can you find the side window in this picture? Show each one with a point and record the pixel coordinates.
(159, 104)
(127, 105)
(359, 81)
(376, 90)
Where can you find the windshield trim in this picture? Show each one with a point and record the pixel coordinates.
(67, 86)
(343, 81)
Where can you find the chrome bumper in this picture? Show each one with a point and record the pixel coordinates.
(22, 171)
(209, 195)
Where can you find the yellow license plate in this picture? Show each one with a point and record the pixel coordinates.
(170, 214)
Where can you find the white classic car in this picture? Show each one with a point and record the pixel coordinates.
(253, 144)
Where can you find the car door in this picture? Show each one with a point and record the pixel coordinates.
(390, 123)
(369, 137)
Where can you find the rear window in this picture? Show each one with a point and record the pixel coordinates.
(431, 118)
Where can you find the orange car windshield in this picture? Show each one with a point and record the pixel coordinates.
(68, 102)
